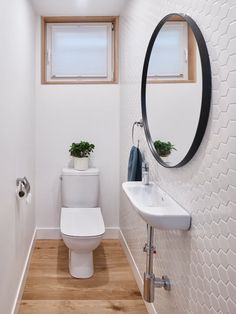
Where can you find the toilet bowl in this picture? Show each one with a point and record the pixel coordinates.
(82, 228)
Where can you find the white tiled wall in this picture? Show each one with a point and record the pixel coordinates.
(201, 263)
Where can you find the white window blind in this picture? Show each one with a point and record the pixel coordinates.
(170, 51)
(79, 51)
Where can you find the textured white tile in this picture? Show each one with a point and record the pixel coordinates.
(202, 262)
(223, 290)
(232, 76)
(215, 304)
(232, 276)
(232, 44)
(231, 306)
(223, 305)
(231, 225)
(232, 292)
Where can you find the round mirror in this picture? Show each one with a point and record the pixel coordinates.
(176, 90)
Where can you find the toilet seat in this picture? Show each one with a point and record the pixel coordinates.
(82, 222)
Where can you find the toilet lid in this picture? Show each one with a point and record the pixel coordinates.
(82, 222)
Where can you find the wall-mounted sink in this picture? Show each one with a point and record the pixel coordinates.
(156, 207)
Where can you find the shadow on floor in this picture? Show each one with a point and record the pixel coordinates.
(101, 272)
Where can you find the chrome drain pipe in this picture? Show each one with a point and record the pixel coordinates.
(150, 281)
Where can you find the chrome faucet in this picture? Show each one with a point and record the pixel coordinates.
(145, 173)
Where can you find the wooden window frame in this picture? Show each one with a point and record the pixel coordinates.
(191, 57)
(79, 19)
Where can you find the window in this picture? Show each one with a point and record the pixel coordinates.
(173, 54)
(79, 51)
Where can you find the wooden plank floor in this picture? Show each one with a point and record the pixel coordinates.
(51, 290)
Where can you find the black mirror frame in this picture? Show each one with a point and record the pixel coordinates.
(206, 90)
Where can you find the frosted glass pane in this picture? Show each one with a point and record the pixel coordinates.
(80, 51)
(167, 57)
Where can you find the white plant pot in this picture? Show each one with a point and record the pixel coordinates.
(165, 158)
(81, 163)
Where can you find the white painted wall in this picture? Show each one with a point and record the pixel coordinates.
(67, 113)
(17, 220)
(201, 263)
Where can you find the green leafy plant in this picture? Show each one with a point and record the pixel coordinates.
(82, 149)
(163, 148)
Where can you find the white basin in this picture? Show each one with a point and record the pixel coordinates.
(156, 207)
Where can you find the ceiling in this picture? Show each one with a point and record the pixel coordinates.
(78, 7)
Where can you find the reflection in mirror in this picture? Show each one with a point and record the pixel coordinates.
(174, 90)
(173, 53)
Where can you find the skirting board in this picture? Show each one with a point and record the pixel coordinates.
(54, 233)
(150, 307)
(21, 286)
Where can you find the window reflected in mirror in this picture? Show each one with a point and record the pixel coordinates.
(173, 57)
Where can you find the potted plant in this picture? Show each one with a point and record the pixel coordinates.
(163, 148)
(80, 152)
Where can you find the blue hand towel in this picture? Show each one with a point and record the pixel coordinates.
(135, 165)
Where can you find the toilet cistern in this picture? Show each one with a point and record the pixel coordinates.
(81, 224)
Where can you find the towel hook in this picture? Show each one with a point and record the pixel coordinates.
(136, 123)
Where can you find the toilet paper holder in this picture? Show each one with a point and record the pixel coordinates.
(23, 186)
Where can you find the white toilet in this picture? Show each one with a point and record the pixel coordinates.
(82, 226)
